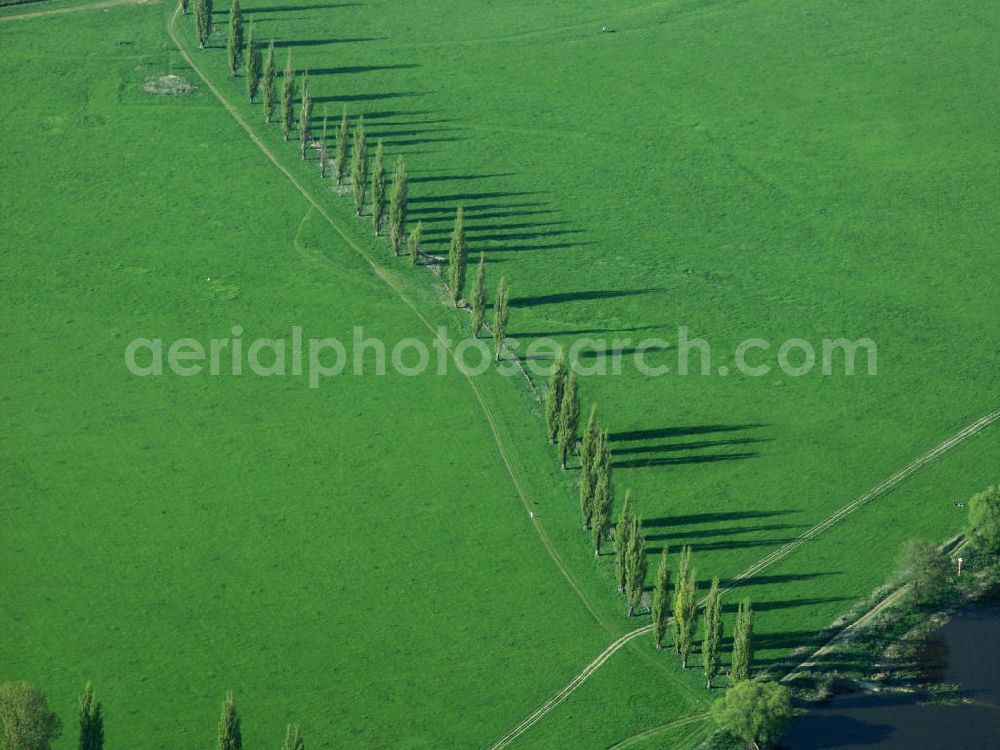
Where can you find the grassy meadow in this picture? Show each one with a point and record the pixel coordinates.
(356, 557)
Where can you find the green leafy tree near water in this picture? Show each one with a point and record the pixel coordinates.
(983, 527)
(27, 721)
(755, 712)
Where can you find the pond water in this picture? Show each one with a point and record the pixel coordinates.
(966, 652)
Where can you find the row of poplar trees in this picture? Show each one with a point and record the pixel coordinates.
(245, 53)
(675, 605)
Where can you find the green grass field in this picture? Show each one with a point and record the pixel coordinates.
(357, 557)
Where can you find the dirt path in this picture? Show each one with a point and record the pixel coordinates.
(104, 4)
(753, 570)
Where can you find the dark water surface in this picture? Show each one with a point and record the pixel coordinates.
(966, 652)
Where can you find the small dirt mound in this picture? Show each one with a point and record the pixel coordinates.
(168, 85)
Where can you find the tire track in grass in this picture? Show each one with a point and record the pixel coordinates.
(748, 574)
(104, 5)
(650, 733)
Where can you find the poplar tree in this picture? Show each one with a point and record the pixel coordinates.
(359, 165)
(268, 84)
(184, 7)
(635, 565)
(91, 721)
(680, 593)
(554, 396)
(203, 21)
(601, 518)
(413, 243)
(254, 62)
(324, 149)
(623, 531)
(378, 188)
(661, 600)
(340, 149)
(293, 738)
(686, 614)
(569, 419)
(587, 452)
(235, 43)
(501, 312)
(397, 205)
(457, 257)
(230, 737)
(713, 633)
(743, 643)
(288, 98)
(479, 297)
(305, 115)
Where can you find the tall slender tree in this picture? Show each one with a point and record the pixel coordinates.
(743, 643)
(457, 253)
(234, 45)
(203, 21)
(91, 721)
(479, 297)
(501, 312)
(268, 84)
(359, 165)
(687, 617)
(340, 149)
(293, 738)
(635, 566)
(569, 419)
(713, 633)
(230, 735)
(305, 116)
(413, 243)
(184, 7)
(288, 98)
(622, 539)
(397, 205)
(680, 593)
(324, 147)
(554, 396)
(661, 600)
(587, 477)
(603, 496)
(378, 188)
(254, 63)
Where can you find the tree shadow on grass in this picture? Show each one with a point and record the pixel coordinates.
(698, 445)
(581, 296)
(668, 432)
(292, 43)
(355, 69)
(684, 460)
